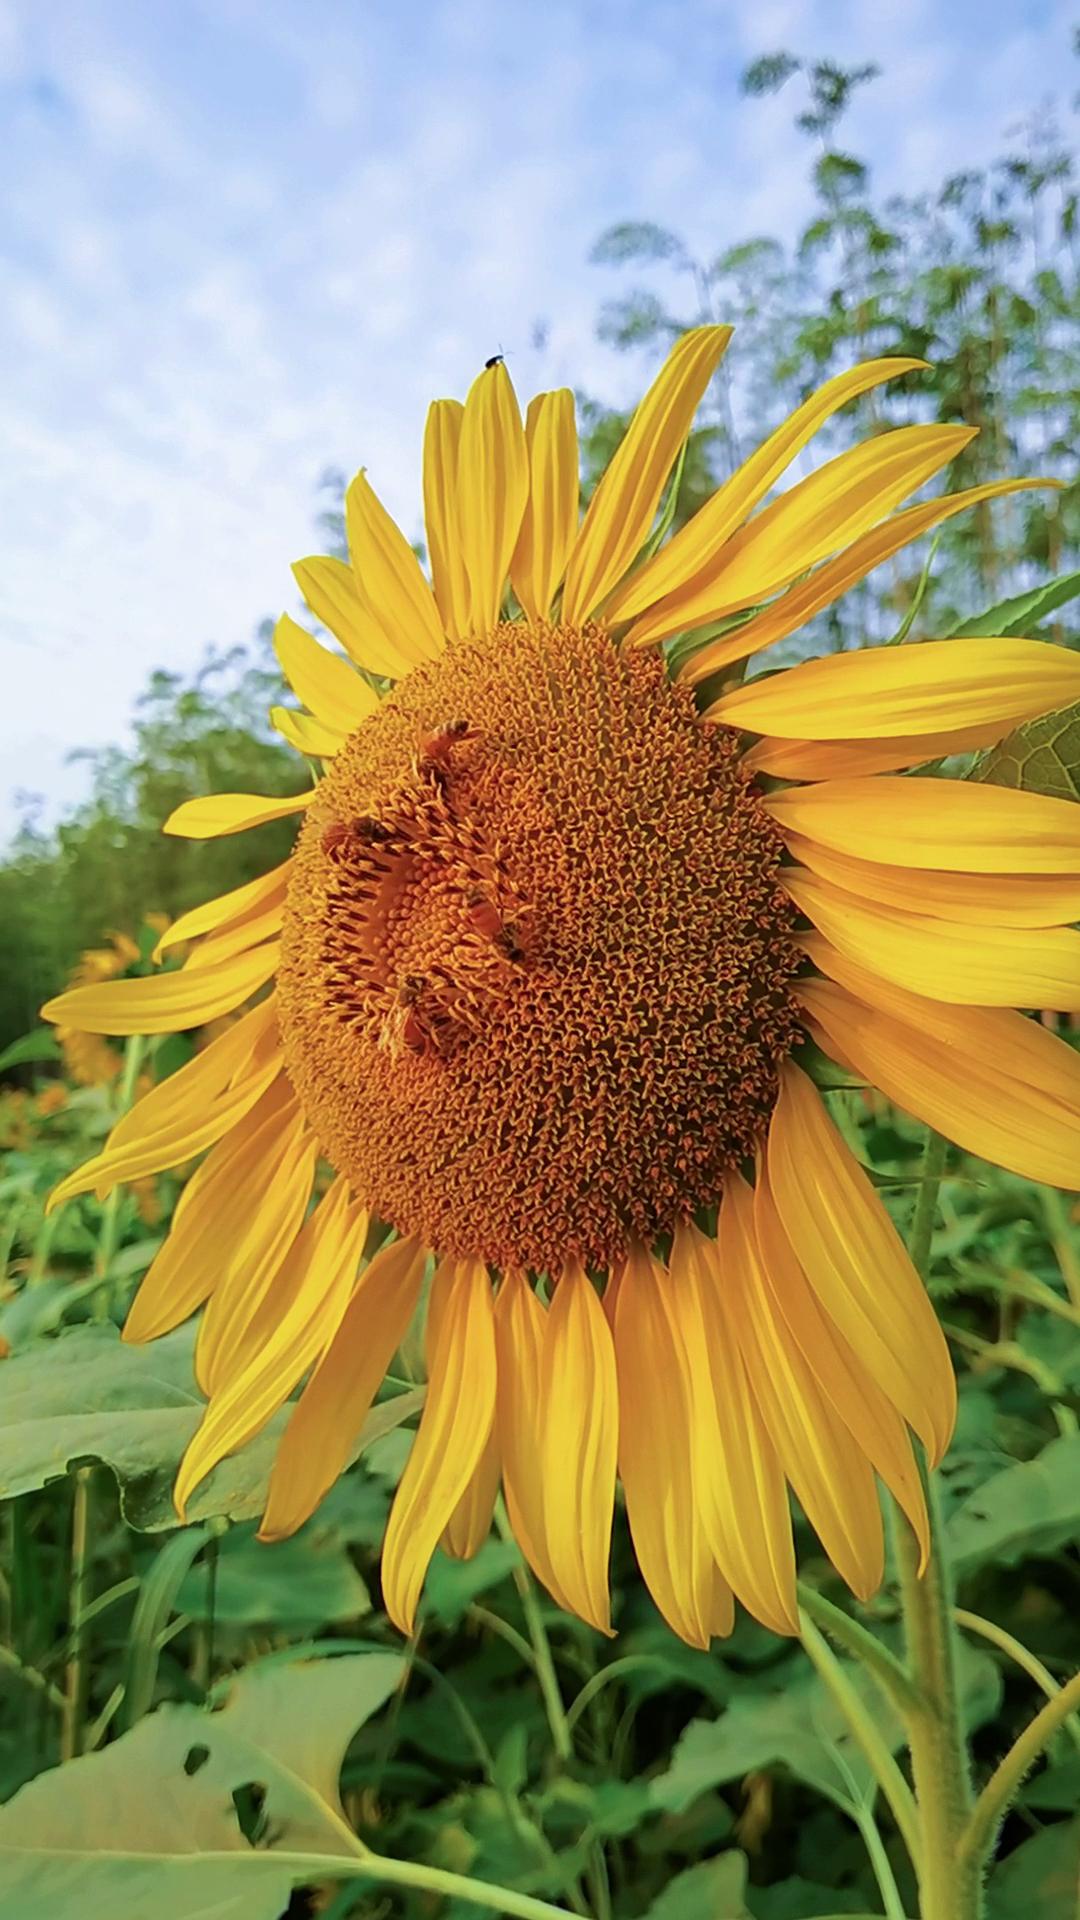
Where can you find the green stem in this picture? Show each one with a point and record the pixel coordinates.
(1004, 1783)
(1024, 1658)
(561, 1737)
(630, 1663)
(873, 1748)
(949, 1888)
(361, 1864)
(75, 1675)
(889, 1672)
(879, 1860)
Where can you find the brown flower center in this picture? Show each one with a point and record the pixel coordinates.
(535, 973)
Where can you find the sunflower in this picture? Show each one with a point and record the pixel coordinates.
(564, 907)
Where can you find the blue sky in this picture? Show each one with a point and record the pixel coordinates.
(243, 240)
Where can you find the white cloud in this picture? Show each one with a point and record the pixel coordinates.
(247, 239)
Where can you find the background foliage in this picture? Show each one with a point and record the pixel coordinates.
(670, 1784)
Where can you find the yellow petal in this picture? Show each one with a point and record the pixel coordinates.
(322, 681)
(297, 1279)
(519, 1340)
(310, 737)
(954, 825)
(454, 1430)
(929, 687)
(337, 1399)
(811, 596)
(442, 442)
(215, 814)
(167, 1002)
(188, 1112)
(824, 512)
(212, 1215)
(551, 513)
(333, 593)
(246, 931)
(985, 966)
(470, 1523)
(999, 1085)
(255, 1261)
(997, 899)
(746, 1516)
(856, 1263)
(389, 571)
(319, 1272)
(492, 488)
(872, 1420)
(833, 1480)
(847, 759)
(656, 1462)
(579, 1399)
(696, 545)
(621, 512)
(226, 907)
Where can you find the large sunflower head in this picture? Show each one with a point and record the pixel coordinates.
(564, 907)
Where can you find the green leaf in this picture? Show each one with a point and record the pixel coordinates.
(171, 1792)
(1056, 1789)
(713, 1890)
(1030, 1508)
(87, 1396)
(1042, 756)
(453, 1585)
(41, 1044)
(1017, 617)
(799, 1899)
(800, 1729)
(1038, 1881)
(803, 1730)
(306, 1582)
(37, 1886)
(154, 1609)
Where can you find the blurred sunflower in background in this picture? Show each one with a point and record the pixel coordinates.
(564, 907)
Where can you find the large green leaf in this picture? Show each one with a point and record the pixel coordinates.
(308, 1581)
(799, 1899)
(86, 1396)
(803, 1730)
(1042, 756)
(1032, 1507)
(153, 1824)
(1020, 615)
(713, 1890)
(1041, 1880)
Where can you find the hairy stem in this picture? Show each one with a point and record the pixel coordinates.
(1004, 1783)
(948, 1887)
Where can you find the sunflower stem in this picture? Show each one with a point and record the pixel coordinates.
(950, 1883)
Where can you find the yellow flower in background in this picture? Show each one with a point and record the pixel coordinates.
(89, 1060)
(541, 965)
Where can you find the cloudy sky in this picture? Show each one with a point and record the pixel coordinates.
(242, 240)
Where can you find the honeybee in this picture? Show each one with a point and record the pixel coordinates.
(435, 753)
(371, 831)
(406, 1026)
(486, 920)
(339, 834)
